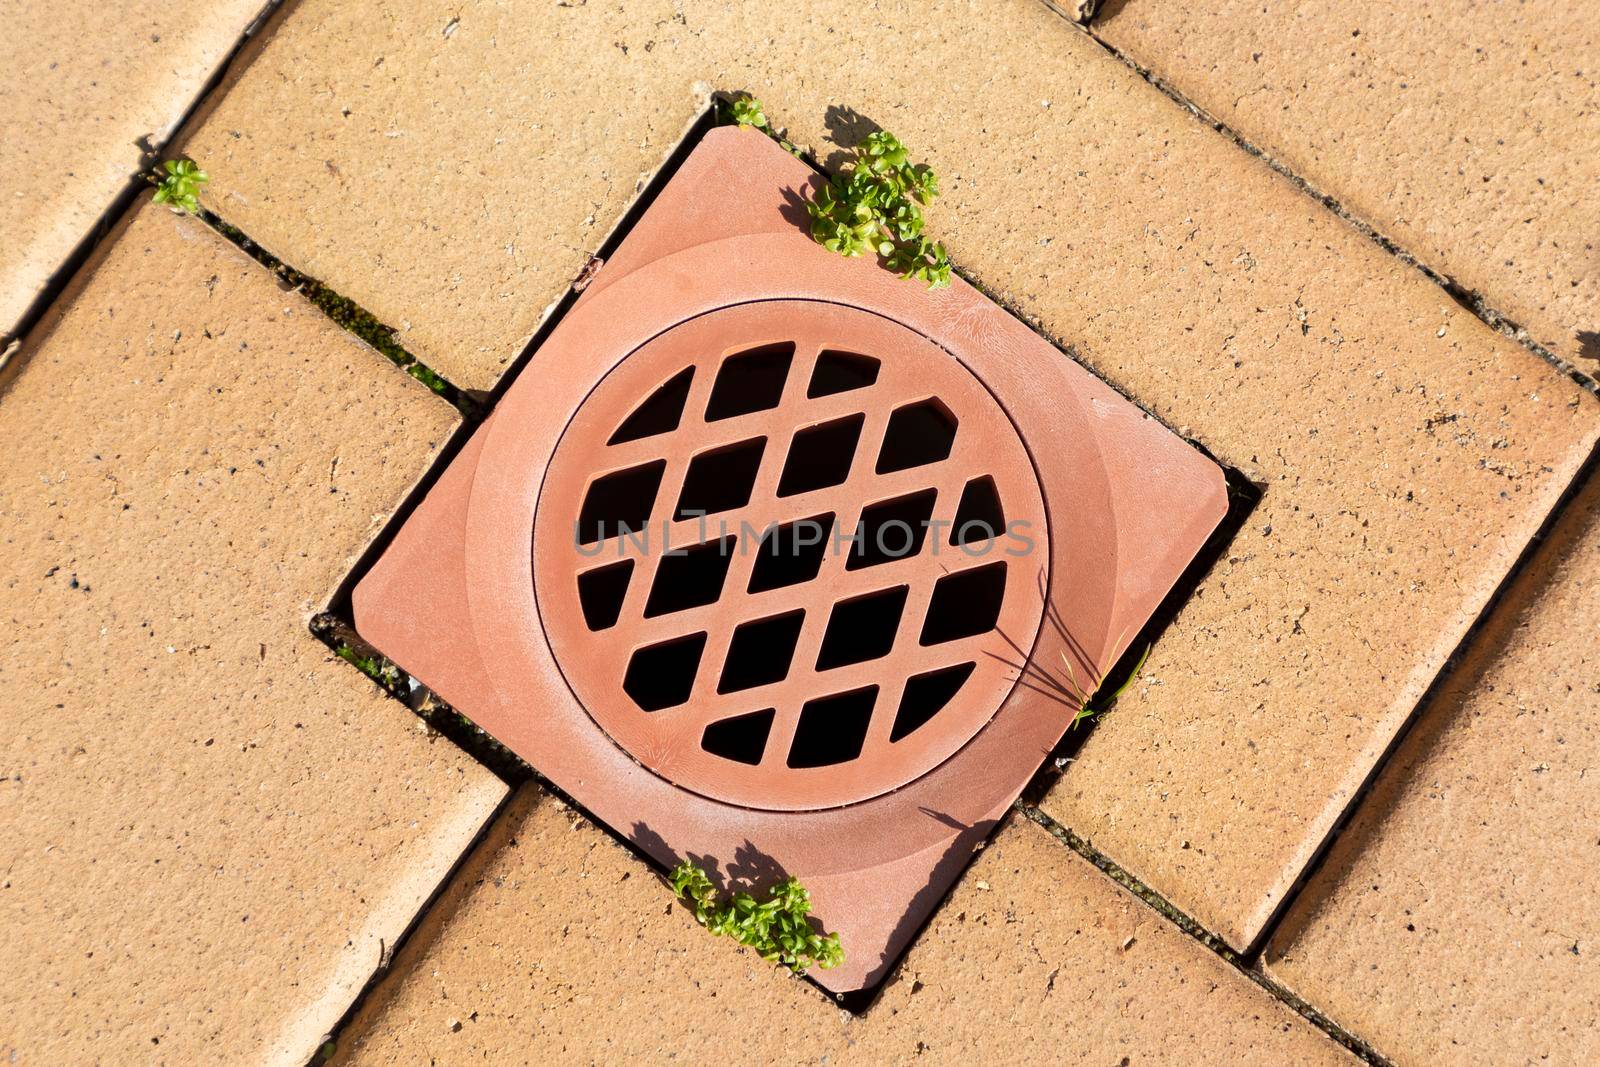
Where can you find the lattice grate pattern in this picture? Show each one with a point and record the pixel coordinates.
(768, 659)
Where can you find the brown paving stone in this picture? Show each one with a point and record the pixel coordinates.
(83, 82)
(553, 944)
(1458, 918)
(213, 827)
(1406, 451)
(1467, 132)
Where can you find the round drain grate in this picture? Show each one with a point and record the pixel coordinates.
(698, 579)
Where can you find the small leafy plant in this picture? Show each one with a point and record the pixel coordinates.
(874, 206)
(778, 928)
(181, 187)
(747, 111)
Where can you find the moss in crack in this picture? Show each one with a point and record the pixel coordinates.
(379, 670)
(350, 316)
(435, 714)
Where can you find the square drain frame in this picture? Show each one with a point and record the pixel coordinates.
(873, 775)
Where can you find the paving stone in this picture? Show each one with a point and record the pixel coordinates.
(215, 828)
(1457, 919)
(1406, 451)
(554, 944)
(1466, 132)
(85, 85)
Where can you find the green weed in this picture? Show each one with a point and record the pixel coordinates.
(180, 189)
(875, 206)
(778, 928)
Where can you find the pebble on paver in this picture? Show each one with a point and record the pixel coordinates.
(215, 828)
(1457, 919)
(1406, 452)
(1467, 133)
(553, 943)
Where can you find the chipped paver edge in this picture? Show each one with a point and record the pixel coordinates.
(81, 256)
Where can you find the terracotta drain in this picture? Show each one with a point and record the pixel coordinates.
(766, 555)
(792, 612)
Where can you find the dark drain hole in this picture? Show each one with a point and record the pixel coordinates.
(832, 729)
(601, 592)
(619, 503)
(690, 577)
(742, 738)
(820, 456)
(894, 529)
(840, 372)
(926, 695)
(965, 604)
(861, 629)
(918, 434)
(662, 676)
(750, 381)
(791, 553)
(660, 413)
(720, 480)
(978, 516)
(760, 652)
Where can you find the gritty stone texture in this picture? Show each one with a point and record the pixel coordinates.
(1458, 918)
(1467, 131)
(1406, 452)
(554, 945)
(88, 87)
(214, 828)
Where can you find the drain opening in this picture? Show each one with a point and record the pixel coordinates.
(601, 593)
(925, 696)
(862, 629)
(786, 625)
(660, 413)
(891, 530)
(841, 372)
(742, 739)
(750, 381)
(690, 578)
(832, 729)
(620, 503)
(760, 652)
(791, 553)
(662, 676)
(965, 604)
(820, 456)
(918, 434)
(978, 516)
(720, 480)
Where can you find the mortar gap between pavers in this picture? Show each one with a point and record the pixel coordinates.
(845, 737)
(1468, 300)
(348, 315)
(437, 715)
(1159, 904)
(1589, 469)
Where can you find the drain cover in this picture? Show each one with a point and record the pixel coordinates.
(791, 610)
(773, 559)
